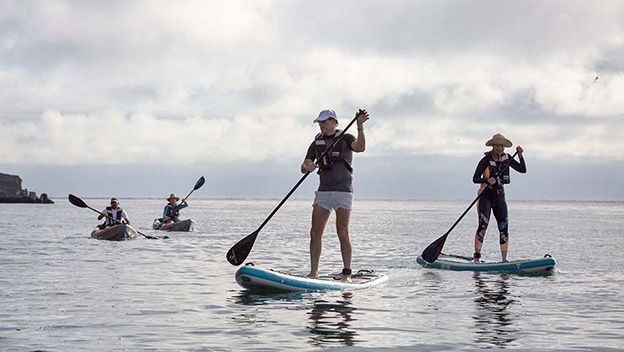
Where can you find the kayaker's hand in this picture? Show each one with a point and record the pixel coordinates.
(519, 150)
(183, 200)
(491, 181)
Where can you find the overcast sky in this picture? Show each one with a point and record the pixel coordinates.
(140, 98)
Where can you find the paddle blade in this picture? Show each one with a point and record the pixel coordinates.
(77, 201)
(199, 183)
(431, 253)
(239, 252)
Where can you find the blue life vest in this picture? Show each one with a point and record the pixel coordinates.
(173, 212)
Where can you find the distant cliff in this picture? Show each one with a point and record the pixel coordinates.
(10, 186)
(11, 191)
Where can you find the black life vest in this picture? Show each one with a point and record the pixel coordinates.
(495, 167)
(115, 214)
(321, 143)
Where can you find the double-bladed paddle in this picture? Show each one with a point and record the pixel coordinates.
(81, 204)
(239, 252)
(432, 252)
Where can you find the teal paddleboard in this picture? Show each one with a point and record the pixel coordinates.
(252, 277)
(459, 263)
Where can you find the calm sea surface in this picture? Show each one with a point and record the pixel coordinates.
(62, 291)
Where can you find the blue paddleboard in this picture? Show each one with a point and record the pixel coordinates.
(459, 263)
(250, 276)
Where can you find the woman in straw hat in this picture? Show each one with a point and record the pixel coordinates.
(492, 172)
(172, 210)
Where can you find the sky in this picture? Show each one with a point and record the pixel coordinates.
(140, 98)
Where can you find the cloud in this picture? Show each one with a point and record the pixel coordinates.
(153, 82)
(115, 138)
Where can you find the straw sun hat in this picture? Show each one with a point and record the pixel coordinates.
(173, 196)
(499, 139)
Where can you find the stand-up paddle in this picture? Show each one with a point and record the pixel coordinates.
(239, 252)
(81, 204)
(432, 252)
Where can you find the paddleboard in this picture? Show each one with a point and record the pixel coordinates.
(252, 277)
(459, 263)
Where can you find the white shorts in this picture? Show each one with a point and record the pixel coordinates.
(329, 200)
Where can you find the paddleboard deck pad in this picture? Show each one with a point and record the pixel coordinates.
(460, 263)
(252, 277)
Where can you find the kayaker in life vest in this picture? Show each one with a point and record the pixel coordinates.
(493, 191)
(171, 212)
(113, 212)
(335, 190)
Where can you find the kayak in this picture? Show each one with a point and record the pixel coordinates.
(121, 232)
(460, 263)
(251, 277)
(187, 225)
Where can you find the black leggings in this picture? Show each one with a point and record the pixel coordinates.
(491, 201)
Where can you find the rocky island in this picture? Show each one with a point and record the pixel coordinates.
(11, 191)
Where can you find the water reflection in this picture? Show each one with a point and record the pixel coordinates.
(493, 321)
(262, 297)
(330, 322)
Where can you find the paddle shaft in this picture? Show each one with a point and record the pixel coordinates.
(498, 174)
(331, 146)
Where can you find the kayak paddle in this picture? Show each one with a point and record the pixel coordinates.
(432, 252)
(198, 185)
(81, 204)
(239, 252)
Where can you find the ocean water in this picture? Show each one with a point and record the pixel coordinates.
(63, 291)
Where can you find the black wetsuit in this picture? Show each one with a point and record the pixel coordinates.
(493, 197)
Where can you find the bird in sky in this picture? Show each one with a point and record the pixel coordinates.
(595, 79)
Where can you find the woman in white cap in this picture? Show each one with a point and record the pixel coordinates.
(493, 198)
(335, 191)
(172, 210)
